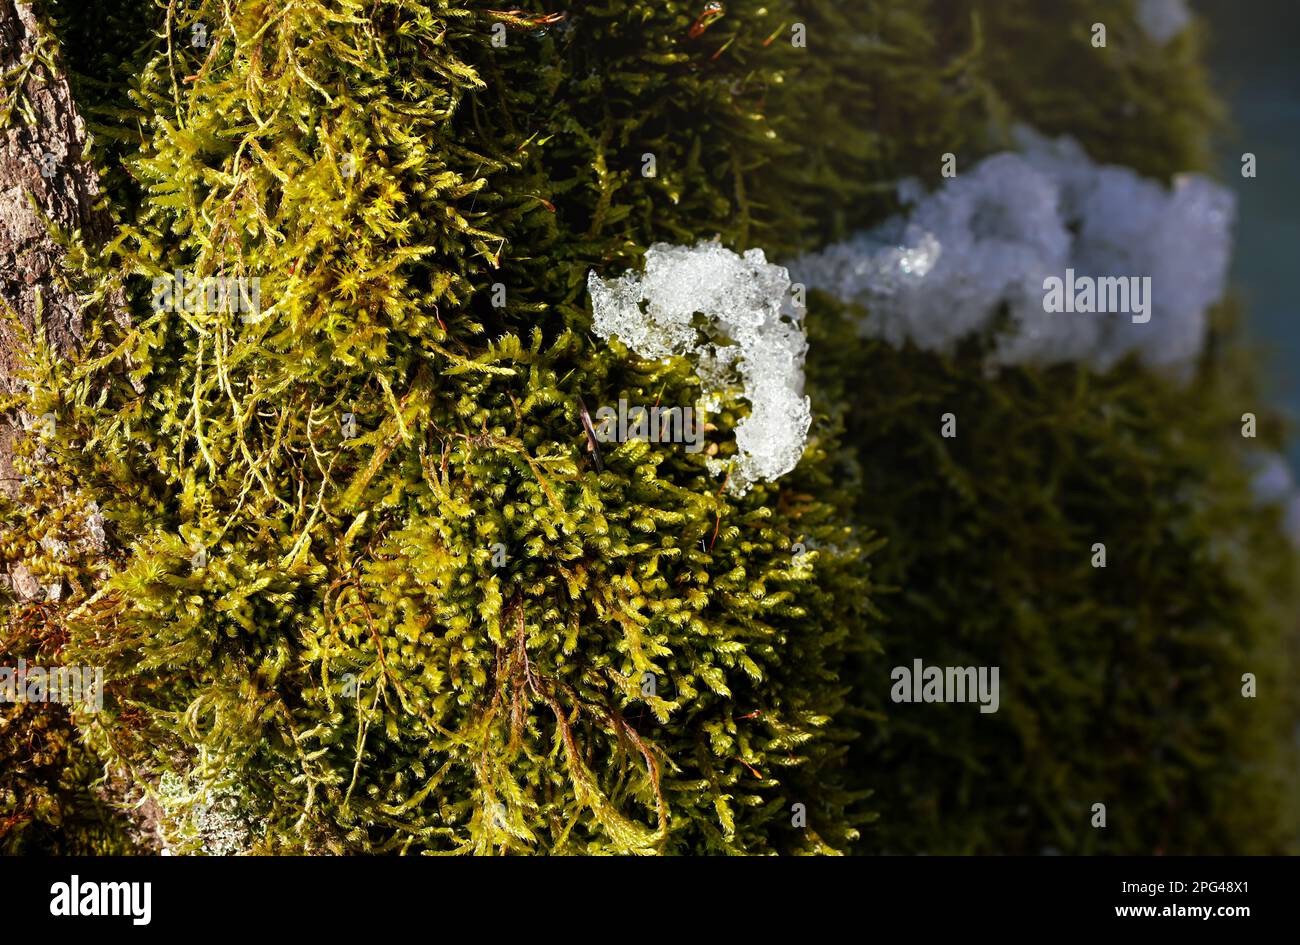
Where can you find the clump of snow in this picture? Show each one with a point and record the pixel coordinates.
(989, 238)
(1273, 483)
(1162, 20)
(729, 314)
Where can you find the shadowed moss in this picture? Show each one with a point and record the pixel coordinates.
(1120, 685)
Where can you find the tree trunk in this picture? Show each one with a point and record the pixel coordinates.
(43, 177)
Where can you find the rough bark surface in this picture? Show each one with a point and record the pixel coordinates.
(44, 180)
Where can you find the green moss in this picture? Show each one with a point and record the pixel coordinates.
(352, 655)
(1120, 685)
(349, 650)
(50, 799)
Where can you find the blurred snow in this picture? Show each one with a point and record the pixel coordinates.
(1274, 484)
(1162, 20)
(986, 240)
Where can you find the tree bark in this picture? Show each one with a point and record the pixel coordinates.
(44, 176)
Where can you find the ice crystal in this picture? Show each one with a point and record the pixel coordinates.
(730, 315)
(986, 241)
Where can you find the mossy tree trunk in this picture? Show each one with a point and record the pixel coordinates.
(46, 185)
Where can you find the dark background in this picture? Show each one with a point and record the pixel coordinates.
(1253, 48)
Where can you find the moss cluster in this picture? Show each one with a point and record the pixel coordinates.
(451, 632)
